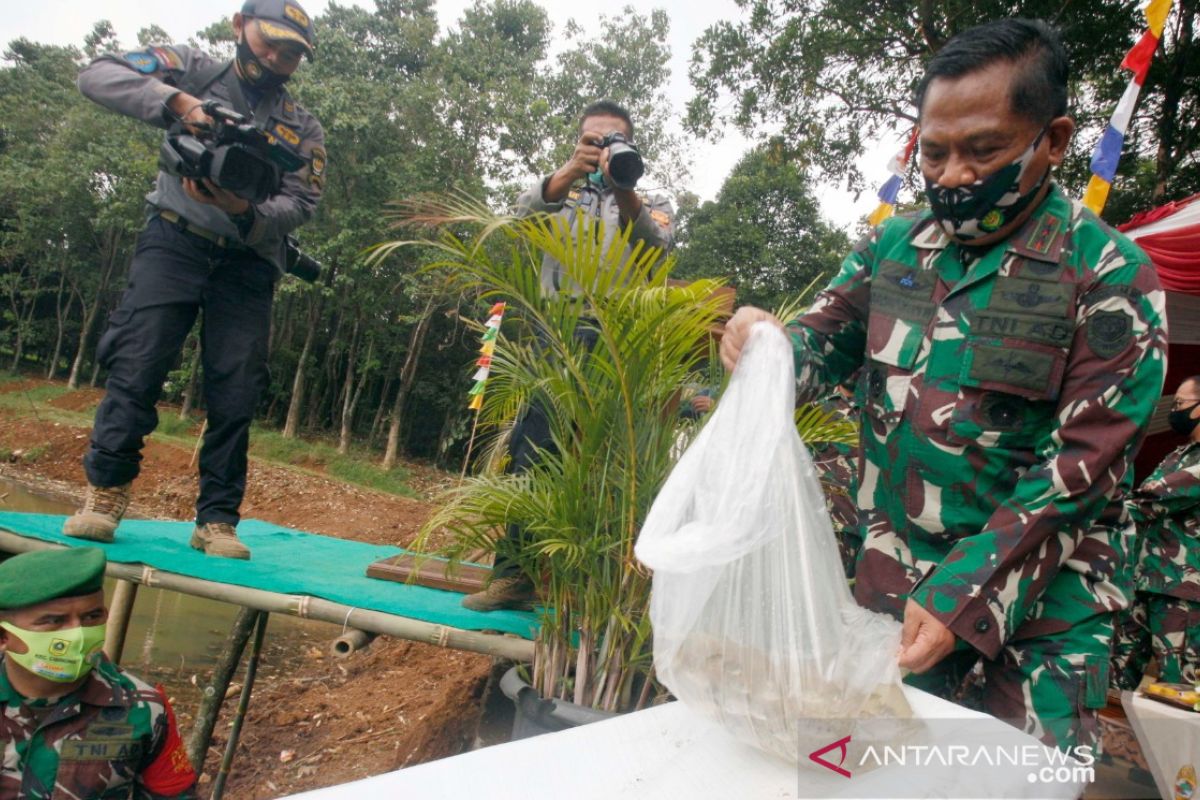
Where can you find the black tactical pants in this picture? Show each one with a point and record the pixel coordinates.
(173, 275)
(529, 437)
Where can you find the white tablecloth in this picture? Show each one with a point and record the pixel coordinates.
(1169, 737)
(668, 752)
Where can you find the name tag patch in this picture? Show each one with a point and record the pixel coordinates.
(100, 750)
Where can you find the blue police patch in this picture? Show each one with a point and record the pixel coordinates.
(143, 62)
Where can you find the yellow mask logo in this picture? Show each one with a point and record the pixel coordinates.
(59, 647)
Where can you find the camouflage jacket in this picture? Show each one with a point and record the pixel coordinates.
(1166, 508)
(837, 465)
(114, 737)
(1002, 400)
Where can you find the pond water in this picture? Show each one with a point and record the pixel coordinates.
(175, 639)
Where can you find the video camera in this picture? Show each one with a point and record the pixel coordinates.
(625, 164)
(231, 153)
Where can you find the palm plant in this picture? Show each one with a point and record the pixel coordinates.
(610, 407)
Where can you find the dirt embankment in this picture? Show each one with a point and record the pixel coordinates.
(323, 722)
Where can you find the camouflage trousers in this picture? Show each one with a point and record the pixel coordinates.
(1167, 628)
(1052, 687)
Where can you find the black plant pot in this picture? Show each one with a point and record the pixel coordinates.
(536, 715)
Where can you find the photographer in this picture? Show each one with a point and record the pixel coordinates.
(203, 246)
(609, 165)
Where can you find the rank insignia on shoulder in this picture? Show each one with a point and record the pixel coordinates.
(143, 62)
(661, 217)
(287, 134)
(289, 107)
(167, 58)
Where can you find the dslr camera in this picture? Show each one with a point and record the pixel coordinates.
(232, 153)
(625, 164)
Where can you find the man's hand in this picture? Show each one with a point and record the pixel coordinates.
(188, 109)
(213, 195)
(583, 162)
(737, 331)
(924, 641)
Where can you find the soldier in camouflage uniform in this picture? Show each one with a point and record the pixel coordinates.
(582, 187)
(73, 726)
(1165, 617)
(202, 247)
(1013, 348)
(838, 466)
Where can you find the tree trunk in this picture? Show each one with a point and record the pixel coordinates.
(189, 392)
(379, 410)
(61, 313)
(415, 342)
(348, 399)
(89, 319)
(1169, 153)
(352, 399)
(95, 374)
(24, 320)
(297, 404)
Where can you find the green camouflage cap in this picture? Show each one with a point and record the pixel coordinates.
(32, 578)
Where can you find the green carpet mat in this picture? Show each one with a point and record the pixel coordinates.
(285, 561)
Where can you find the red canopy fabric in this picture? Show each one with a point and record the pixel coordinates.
(1170, 235)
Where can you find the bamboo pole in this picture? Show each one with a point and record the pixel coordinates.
(199, 441)
(303, 606)
(119, 611)
(349, 642)
(214, 693)
(235, 732)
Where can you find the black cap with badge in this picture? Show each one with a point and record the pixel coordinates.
(282, 20)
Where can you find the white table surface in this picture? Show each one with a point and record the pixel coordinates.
(1169, 737)
(669, 752)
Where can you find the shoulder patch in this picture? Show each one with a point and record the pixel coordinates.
(142, 62)
(661, 217)
(287, 134)
(167, 58)
(1109, 332)
(289, 107)
(317, 165)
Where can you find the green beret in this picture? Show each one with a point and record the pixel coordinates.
(32, 578)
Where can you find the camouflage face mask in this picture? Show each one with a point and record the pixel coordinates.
(988, 204)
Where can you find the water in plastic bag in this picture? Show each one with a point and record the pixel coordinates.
(754, 623)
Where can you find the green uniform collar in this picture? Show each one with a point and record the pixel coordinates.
(98, 690)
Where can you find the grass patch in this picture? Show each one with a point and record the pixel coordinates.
(38, 394)
(355, 467)
(170, 424)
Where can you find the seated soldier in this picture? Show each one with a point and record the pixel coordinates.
(1164, 620)
(76, 725)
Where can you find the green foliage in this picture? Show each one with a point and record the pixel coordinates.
(838, 75)
(607, 407)
(764, 232)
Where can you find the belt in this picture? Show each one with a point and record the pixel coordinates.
(204, 233)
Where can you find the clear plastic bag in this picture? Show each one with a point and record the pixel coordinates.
(754, 623)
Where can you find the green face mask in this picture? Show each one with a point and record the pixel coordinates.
(62, 656)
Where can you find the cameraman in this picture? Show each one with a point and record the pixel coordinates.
(653, 220)
(202, 247)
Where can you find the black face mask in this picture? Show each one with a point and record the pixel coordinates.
(254, 71)
(1181, 420)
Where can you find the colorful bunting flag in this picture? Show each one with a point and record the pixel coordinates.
(890, 190)
(484, 362)
(1107, 154)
